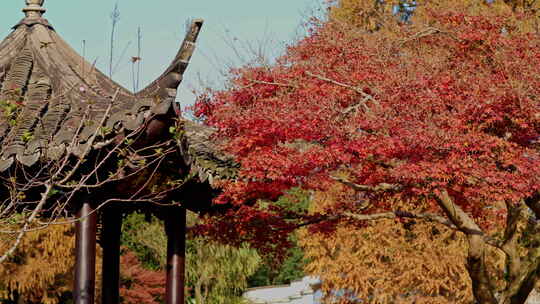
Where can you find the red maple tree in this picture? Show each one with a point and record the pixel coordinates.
(447, 113)
(139, 285)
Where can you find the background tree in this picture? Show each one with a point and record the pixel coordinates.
(138, 284)
(391, 260)
(40, 269)
(283, 272)
(443, 113)
(219, 273)
(374, 15)
(291, 267)
(145, 237)
(38, 272)
(216, 273)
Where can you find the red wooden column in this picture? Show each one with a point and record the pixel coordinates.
(110, 242)
(85, 248)
(175, 226)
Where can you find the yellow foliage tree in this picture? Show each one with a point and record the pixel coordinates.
(374, 15)
(40, 269)
(391, 261)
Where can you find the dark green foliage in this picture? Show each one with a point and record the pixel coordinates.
(297, 202)
(132, 225)
(291, 269)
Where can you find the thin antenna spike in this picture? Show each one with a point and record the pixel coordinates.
(83, 56)
(115, 17)
(139, 58)
(133, 76)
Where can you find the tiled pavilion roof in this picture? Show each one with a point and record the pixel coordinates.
(54, 103)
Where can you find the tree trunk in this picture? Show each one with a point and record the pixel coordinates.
(482, 290)
(476, 266)
(521, 296)
(521, 272)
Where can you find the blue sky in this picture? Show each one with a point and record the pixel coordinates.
(227, 22)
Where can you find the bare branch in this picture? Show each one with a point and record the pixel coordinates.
(458, 217)
(382, 187)
(384, 215)
(431, 217)
(423, 33)
(91, 140)
(356, 89)
(273, 83)
(27, 223)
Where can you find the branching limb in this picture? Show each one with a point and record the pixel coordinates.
(525, 279)
(423, 33)
(457, 216)
(378, 188)
(523, 271)
(402, 214)
(356, 89)
(430, 217)
(515, 213)
(273, 83)
(483, 289)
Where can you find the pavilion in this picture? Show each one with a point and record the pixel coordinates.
(75, 144)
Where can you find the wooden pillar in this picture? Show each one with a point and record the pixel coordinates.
(110, 242)
(175, 226)
(85, 248)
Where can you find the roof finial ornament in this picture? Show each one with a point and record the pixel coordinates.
(34, 8)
